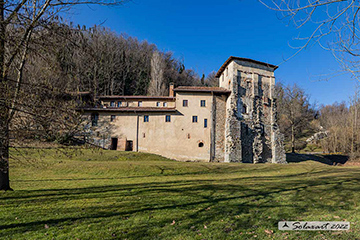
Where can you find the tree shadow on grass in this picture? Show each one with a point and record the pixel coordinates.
(166, 184)
(325, 159)
(191, 204)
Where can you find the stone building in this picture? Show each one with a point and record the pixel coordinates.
(235, 122)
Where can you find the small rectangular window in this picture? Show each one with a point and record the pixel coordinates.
(139, 104)
(119, 104)
(158, 104)
(146, 118)
(194, 119)
(112, 104)
(185, 103)
(202, 103)
(205, 123)
(94, 119)
(112, 118)
(167, 118)
(165, 104)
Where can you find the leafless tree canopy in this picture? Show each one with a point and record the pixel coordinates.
(294, 113)
(211, 80)
(341, 121)
(334, 24)
(157, 83)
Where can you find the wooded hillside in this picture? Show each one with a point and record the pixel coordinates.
(102, 62)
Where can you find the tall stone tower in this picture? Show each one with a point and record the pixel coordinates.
(251, 131)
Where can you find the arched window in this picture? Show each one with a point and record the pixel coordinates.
(244, 109)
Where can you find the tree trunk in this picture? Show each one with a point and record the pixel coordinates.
(4, 111)
(4, 149)
(292, 139)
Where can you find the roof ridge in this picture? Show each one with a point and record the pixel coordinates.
(222, 68)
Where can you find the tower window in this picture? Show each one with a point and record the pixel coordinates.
(244, 109)
(146, 118)
(205, 123)
(202, 103)
(185, 103)
(94, 119)
(194, 119)
(167, 118)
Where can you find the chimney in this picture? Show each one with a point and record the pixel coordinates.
(171, 90)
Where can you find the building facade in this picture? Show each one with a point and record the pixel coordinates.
(235, 122)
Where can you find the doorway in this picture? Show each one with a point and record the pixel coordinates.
(129, 146)
(114, 143)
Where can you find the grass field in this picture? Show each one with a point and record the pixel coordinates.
(93, 194)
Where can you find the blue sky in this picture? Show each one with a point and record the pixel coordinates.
(205, 33)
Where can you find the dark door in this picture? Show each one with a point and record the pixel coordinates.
(114, 143)
(129, 146)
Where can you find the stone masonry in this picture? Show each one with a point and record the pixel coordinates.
(251, 131)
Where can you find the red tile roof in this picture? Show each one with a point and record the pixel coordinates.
(201, 89)
(130, 109)
(231, 58)
(137, 97)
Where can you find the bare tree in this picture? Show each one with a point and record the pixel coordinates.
(211, 80)
(334, 23)
(341, 122)
(354, 113)
(157, 84)
(336, 119)
(294, 112)
(19, 20)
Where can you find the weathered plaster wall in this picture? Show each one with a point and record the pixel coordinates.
(178, 139)
(122, 128)
(134, 103)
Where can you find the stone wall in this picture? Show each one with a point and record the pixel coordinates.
(252, 134)
(233, 117)
(219, 117)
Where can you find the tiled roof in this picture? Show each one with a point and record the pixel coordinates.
(136, 97)
(201, 89)
(130, 109)
(231, 58)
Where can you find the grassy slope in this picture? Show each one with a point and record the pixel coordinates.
(113, 195)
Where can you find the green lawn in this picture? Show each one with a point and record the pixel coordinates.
(93, 194)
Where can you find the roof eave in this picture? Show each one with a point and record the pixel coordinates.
(201, 91)
(231, 58)
(128, 109)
